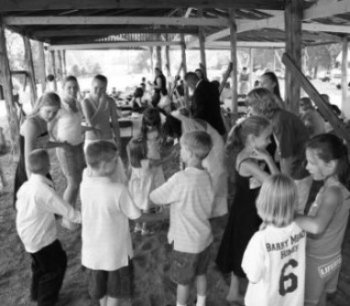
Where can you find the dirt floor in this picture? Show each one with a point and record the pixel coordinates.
(152, 284)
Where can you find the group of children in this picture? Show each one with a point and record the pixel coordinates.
(284, 265)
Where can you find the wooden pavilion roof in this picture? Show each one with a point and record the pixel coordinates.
(133, 23)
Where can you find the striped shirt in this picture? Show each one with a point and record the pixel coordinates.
(191, 196)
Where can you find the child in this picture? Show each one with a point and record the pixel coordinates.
(151, 132)
(246, 159)
(326, 219)
(141, 180)
(106, 242)
(37, 204)
(191, 196)
(274, 260)
(311, 117)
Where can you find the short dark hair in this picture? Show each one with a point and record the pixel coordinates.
(101, 77)
(100, 151)
(38, 161)
(191, 76)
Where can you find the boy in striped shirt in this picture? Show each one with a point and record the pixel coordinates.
(190, 196)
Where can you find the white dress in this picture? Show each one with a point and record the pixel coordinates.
(141, 184)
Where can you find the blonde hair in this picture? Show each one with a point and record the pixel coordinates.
(197, 142)
(263, 102)
(277, 200)
(47, 99)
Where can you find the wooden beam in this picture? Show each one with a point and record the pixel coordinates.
(106, 32)
(42, 70)
(233, 41)
(251, 67)
(28, 59)
(41, 5)
(64, 62)
(293, 15)
(344, 78)
(113, 20)
(320, 9)
(167, 64)
(246, 44)
(325, 110)
(159, 62)
(201, 38)
(320, 27)
(12, 118)
(114, 45)
(59, 65)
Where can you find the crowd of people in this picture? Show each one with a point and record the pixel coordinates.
(283, 181)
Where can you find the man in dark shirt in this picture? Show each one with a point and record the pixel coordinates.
(159, 86)
(205, 102)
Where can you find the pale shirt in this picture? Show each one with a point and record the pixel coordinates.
(37, 203)
(190, 195)
(68, 125)
(106, 208)
(274, 262)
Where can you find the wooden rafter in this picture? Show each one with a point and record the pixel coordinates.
(39, 5)
(129, 20)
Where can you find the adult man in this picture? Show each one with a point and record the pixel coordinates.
(205, 102)
(159, 86)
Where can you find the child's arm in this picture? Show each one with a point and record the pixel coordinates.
(166, 193)
(52, 202)
(253, 259)
(317, 224)
(252, 168)
(115, 122)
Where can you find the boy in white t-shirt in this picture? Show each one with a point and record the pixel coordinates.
(37, 203)
(106, 209)
(191, 197)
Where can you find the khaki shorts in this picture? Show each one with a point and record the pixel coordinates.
(116, 284)
(321, 276)
(186, 266)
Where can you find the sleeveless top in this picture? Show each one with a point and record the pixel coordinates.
(329, 242)
(43, 137)
(100, 120)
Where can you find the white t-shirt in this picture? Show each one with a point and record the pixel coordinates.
(106, 208)
(191, 196)
(274, 262)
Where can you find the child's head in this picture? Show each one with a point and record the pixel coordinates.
(39, 162)
(255, 132)
(47, 106)
(327, 156)
(137, 149)
(195, 145)
(101, 156)
(305, 104)
(263, 102)
(277, 200)
(151, 120)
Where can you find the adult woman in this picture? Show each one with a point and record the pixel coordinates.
(34, 134)
(269, 81)
(178, 124)
(66, 127)
(289, 131)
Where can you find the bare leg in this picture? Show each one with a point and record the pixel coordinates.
(113, 301)
(182, 294)
(233, 293)
(103, 301)
(201, 283)
(70, 195)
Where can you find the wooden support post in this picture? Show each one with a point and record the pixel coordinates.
(344, 79)
(251, 68)
(167, 64)
(64, 62)
(12, 117)
(28, 59)
(201, 37)
(42, 70)
(184, 65)
(60, 64)
(159, 57)
(233, 41)
(293, 16)
(53, 60)
(152, 63)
